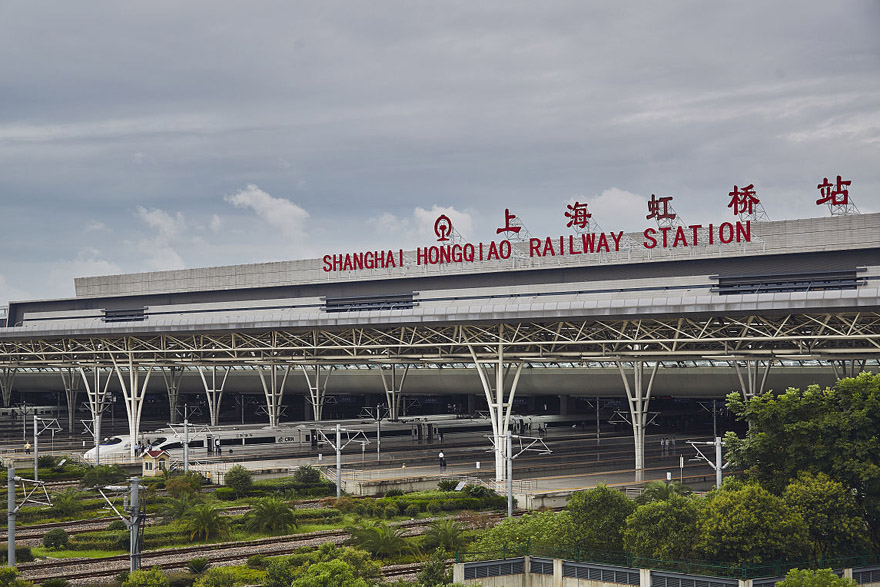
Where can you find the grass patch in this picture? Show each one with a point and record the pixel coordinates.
(40, 552)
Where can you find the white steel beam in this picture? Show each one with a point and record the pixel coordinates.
(70, 379)
(393, 388)
(96, 394)
(317, 388)
(133, 392)
(273, 377)
(638, 394)
(7, 376)
(172, 376)
(213, 391)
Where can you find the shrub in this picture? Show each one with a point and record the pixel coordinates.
(116, 526)
(344, 504)
(8, 576)
(239, 479)
(394, 493)
(307, 475)
(819, 578)
(447, 485)
(478, 491)
(184, 485)
(390, 511)
(23, 554)
(412, 511)
(45, 461)
(151, 578)
(55, 538)
(180, 579)
(278, 573)
(433, 507)
(67, 503)
(256, 561)
(103, 475)
(225, 494)
(55, 583)
(198, 566)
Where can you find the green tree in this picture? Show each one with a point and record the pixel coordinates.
(279, 573)
(831, 430)
(328, 574)
(206, 521)
(175, 508)
(380, 539)
(359, 561)
(434, 571)
(445, 533)
(749, 525)
(538, 529)
(834, 522)
(152, 578)
(820, 578)
(307, 475)
(102, 475)
(661, 491)
(239, 479)
(67, 503)
(663, 529)
(270, 514)
(186, 484)
(222, 577)
(599, 518)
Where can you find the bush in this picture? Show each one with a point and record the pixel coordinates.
(412, 511)
(45, 461)
(256, 561)
(478, 491)
(390, 511)
(307, 475)
(55, 583)
(820, 578)
(116, 526)
(103, 475)
(187, 484)
(67, 503)
(55, 538)
(344, 504)
(433, 507)
(225, 494)
(278, 573)
(239, 479)
(394, 493)
(23, 554)
(151, 578)
(447, 485)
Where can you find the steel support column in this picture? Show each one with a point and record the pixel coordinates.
(273, 378)
(847, 367)
(173, 376)
(638, 394)
(499, 407)
(214, 393)
(393, 389)
(317, 389)
(134, 392)
(7, 376)
(752, 382)
(96, 394)
(71, 381)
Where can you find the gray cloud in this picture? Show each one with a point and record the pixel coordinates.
(363, 110)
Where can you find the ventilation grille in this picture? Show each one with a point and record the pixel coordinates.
(784, 283)
(370, 303)
(871, 575)
(132, 315)
(661, 579)
(600, 573)
(494, 569)
(542, 566)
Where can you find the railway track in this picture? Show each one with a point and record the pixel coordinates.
(227, 553)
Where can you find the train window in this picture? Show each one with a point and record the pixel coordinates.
(173, 445)
(111, 441)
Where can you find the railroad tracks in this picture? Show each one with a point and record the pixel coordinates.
(220, 553)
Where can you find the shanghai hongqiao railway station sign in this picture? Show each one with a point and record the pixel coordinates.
(743, 203)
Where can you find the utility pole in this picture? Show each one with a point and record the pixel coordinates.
(509, 440)
(134, 526)
(185, 446)
(36, 449)
(378, 432)
(717, 466)
(10, 515)
(338, 461)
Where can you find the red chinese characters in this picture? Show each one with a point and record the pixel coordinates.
(578, 215)
(507, 227)
(743, 200)
(654, 205)
(834, 195)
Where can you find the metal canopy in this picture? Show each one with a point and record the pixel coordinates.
(839, 335)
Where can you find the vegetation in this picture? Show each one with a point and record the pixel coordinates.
(102, 475)
(198, 566)
(446, 534)
(380, 539)
(661, 491)
(55, 538)
(819, 578)
(239, 480)
(151, 578)
(184, 485)
(831, 431)
(663, 529)
(206, 521)
(434, 573)
(600, 517)
(67, 503)
(270, 514)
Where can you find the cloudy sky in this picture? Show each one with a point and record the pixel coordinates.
(137, 136)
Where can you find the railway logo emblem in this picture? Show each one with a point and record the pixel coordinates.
(443, 228)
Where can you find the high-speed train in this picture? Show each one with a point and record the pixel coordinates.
(306, 434)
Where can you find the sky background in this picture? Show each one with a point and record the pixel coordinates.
(141, 136)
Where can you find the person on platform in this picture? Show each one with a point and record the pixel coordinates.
(442, 461)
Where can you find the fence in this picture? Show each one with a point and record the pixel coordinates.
(868, 565)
